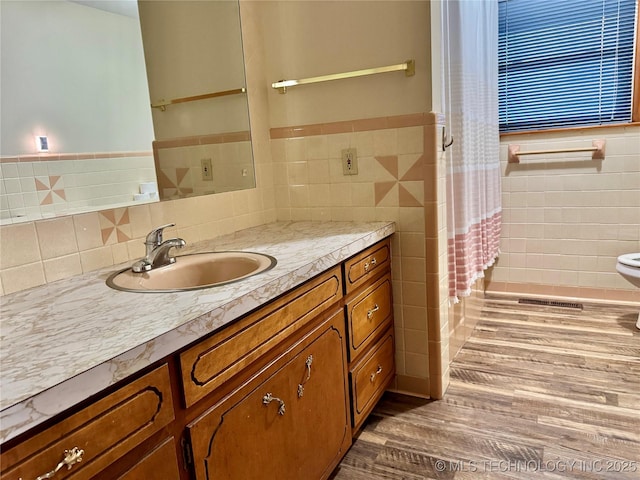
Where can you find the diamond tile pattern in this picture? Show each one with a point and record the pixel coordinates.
(115, 225)
(409, 191)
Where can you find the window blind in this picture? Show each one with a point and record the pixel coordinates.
(565, 62)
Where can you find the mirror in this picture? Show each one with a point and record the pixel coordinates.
(76, 126)
(195, 65)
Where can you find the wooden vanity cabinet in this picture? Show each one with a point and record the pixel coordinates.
(210, 363)
(279, 393)
(101, 433)
(364, 266)
(370, 377)
(369, 315)
(369, 312)
(159, 464)
(289, 421)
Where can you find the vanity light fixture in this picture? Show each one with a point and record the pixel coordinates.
(42, 143)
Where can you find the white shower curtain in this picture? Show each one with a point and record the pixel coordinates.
(470, 89)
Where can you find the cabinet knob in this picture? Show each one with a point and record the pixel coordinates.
(376, 373)
(371, 263)
(372, 311)
(71, 457)
(268, 398)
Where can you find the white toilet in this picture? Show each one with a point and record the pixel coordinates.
(629, 267)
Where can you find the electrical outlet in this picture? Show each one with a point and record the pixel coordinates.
(349, 161)
(206, 169)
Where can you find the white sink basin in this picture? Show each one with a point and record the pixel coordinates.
(193, 272)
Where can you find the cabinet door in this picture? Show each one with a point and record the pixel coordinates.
(97, 436)
(289, 422)
(160, 464)
(368, 314)
(370, 376)
(210, 363)
(366, 265)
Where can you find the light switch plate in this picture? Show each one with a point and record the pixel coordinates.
(206, 169)
(349, 161)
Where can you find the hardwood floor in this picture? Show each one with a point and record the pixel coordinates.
(536, 392)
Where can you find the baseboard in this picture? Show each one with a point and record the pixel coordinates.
(589, 295)
(412, 386)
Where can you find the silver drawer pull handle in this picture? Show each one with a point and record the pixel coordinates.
(371, 263)
(301, 385)
(376, 373)
(71, 457)
(268, 398)
(308, 364)
(372, 311)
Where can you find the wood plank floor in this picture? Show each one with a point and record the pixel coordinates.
(536, 392)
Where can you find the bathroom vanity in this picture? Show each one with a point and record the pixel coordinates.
(269, 377)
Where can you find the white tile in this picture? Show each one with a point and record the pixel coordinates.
(25, 169)
(40, 169)
(12, 186)
(28, 184)
(9, 170)
(15, 201)
(31, 199)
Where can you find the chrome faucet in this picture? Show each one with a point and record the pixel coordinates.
(157, 250)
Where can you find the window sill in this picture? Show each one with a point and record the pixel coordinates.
(569, 129)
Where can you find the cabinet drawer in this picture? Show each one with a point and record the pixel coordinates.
(370, 377)
(104, 431)
(160, 464)
(207, 365)
(368, 314)
(362, 267)
(290, 422)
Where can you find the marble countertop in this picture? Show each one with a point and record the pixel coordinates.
(65, 341)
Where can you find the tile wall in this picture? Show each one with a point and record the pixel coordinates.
(35, 253)
(568, 217)
(437, 260)
(179, 167)
(449, 325)
(390, 185)
(44, 186)
(462, 319)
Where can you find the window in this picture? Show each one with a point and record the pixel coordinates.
(565, 63)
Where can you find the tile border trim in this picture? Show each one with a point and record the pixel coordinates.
(358, 125)
(212, 138)
(48, 157)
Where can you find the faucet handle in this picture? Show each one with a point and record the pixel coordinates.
(154, 237)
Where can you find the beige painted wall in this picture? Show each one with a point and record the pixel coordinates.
(306, 39)
(50, 80)
(194, 48)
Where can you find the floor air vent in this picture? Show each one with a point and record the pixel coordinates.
(550, 303)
